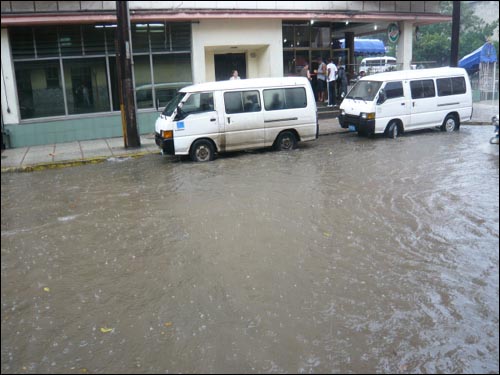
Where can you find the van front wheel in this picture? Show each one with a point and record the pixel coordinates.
(202, 150)
(392, 130)
(449, 124)
(285, 141)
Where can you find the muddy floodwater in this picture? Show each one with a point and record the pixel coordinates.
(348, 255)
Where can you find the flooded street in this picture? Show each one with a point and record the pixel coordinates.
(348, 255)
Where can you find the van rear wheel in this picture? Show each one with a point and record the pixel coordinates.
(285, 141)
(449, 124)
(202, 150)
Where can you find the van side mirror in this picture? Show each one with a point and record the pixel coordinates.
(381, 97)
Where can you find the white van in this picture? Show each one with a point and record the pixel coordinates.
(396, 102)
(372, 65)
(212, 117)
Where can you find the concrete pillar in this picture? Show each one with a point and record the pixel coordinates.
(10, 106)
(404, 53)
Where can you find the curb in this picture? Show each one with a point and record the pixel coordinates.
(72, 163)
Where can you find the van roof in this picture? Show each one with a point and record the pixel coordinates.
(379, 58)
(417, 73)
(246, 84)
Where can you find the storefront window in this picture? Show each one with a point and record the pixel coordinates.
(86, 85)
(171, 73)
(39, 89)
(143, 87)
(88, 81)
(70, 40)
(302, 36)
(140, 39)
(46, 41)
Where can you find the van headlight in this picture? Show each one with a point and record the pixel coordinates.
(368, 115)
(342, 112)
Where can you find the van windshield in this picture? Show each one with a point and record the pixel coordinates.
(364, 90)
(172, 105)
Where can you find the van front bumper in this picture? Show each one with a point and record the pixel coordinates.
(166, 145)
(361, 125)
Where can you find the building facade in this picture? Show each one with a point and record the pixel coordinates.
(59, 79)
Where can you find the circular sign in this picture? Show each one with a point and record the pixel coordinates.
(393, 32)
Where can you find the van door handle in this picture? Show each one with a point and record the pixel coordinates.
(229, 120)
(213, 119)
(413, 104)
(403, 103)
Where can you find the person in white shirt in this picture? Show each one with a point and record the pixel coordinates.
(331, 69)
(234, 75)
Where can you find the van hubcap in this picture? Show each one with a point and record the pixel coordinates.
(450, 125)
(202, 153)
(286, 143)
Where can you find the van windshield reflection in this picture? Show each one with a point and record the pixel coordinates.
(172, 105)
(364, 90)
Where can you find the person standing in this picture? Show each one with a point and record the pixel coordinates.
(332, 82)
(305, 72)
(343, 82)
(234, 76)
(321, 79)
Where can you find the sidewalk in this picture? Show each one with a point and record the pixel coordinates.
(26, 159)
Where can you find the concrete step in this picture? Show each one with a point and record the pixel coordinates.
(327, 112)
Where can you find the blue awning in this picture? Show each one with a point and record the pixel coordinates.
(485, 53)
(366, 46)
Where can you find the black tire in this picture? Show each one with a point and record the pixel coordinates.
(285, 141)
(202, 150)
(450, 124)
(392, 130)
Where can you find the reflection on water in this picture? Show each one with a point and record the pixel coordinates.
(347, 255)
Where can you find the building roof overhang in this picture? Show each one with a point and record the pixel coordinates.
(21, 19)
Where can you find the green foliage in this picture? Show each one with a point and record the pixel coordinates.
(435, 43)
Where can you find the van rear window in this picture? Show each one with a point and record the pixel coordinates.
(451, 86)
(275, 99)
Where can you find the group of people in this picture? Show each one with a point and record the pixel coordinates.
(329, 80)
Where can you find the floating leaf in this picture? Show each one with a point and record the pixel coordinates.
(46, 289)
(167, 324)
(106, 330)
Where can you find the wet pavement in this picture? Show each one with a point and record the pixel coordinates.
(348, 255)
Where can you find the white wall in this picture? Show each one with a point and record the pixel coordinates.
(260, 40)
(10, 110)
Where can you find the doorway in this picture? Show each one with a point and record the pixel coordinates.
(226, 63)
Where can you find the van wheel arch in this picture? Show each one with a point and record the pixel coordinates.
(200, 141)
(455, 119)
(278, 137)
(396, 122)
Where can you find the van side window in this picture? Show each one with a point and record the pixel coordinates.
(422, 89)
(451, 86)
(242, 101)
(458, 85)
(198, 102)
(276, 99)
(394, 90)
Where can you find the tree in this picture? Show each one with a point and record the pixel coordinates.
(435, 41)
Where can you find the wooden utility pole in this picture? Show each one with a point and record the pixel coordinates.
(455, 33)
(124, 57)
